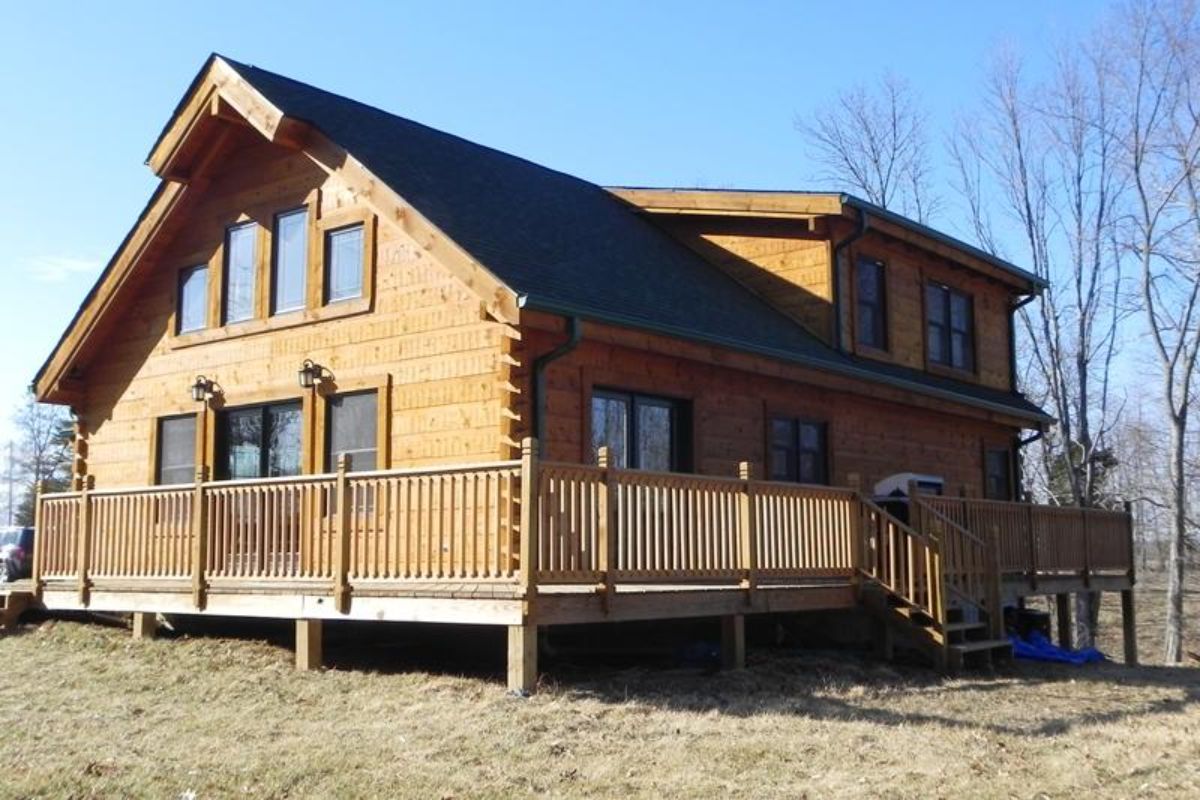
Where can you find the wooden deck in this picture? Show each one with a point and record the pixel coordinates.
(527, 544)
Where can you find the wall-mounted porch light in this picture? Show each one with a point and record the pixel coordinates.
(311, 374)
(203, 389)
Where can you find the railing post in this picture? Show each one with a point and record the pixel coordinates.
(608, 526)
(857, 530)
(341, 550)
(199, 540)
(748, 519)
(83, 539)
(1087, 548)
(996, 585)
(1033, 546)
(530, 475)
(38, 520)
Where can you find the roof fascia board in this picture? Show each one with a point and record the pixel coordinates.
(846, 370)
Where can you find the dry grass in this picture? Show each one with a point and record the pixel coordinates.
(86, 712)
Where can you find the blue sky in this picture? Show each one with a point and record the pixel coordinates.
(649, 93)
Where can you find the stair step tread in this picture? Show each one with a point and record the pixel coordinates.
(964, 626)
(983, 644)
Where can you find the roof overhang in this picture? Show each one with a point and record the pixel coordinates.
(813, 205)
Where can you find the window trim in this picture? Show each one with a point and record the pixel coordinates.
(180, 280)
(319, 420)
(948, 329)
(156, 464)
(826, 459)
(255, 272)
(273, 309)
(681, 429)
(884, 345)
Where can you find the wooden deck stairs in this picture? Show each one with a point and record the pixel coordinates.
(935, 587)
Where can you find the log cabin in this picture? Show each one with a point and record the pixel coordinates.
(345, 366)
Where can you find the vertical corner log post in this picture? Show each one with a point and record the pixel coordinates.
(341, 550)
(83, 539)
(38, 521)
(1087, 548)
(995, 585)
(608, 527)
(199, 539)
(748, 521)
(1062, 607)
(733, 641)
(522, 638)
(1030, 524)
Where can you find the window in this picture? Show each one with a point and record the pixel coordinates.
(176, 458)
(950, 327)
(289, 266)
(997, 475)
(351, 430)
(259, 441)
(192, 313)
(798, 451)
(870, 319)
(344, 264)
(240, 242)
(641, 432)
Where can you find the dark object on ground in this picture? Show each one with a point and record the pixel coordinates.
(16, 553)
(1024, 621)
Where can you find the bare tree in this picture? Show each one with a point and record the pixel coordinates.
(1046, 158)
(876, 141)
(44, 451)
(1159, 47)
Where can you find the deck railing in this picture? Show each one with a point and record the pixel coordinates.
(521, 524)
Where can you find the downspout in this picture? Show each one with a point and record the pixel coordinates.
(575, 330)
(861, 231)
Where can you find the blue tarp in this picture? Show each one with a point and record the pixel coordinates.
(1036, 647)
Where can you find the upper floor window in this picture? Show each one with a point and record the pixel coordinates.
(950, 336)
(640, 431)
(240, 269)
(289, 261)
(344, 264)
(352, 431)
(798, 451)
(192, 313)
(871, 303)
(176, 450)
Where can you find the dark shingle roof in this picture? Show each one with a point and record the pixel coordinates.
(570, 246)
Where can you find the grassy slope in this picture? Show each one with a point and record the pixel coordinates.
(84, 712)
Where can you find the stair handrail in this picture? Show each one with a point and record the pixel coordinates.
(934, 603)
(991, 601)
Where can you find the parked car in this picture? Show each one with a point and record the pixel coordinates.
(16, 553)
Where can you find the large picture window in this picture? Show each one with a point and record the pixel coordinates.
(240, 268)
(176, 458)
(798, 451)
(352, 430)
(192, 312)
(870, 318)
(641, 431)
(950, 337)
(259, 441)
(289, 265)
(344, 264)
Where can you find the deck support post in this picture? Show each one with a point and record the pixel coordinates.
(1062, 604)
(733, 641)
(145, 625)
(1129, 626)
(309, 645)
(522, 658)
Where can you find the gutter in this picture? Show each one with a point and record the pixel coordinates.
(860, 232)
(575, 329)
(568, 310)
